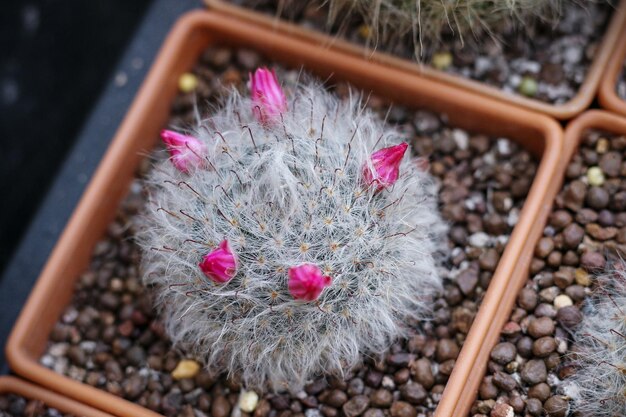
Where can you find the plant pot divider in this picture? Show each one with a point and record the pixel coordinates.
(607, 94)
(12, 385)
(579, 103)
(195, 31)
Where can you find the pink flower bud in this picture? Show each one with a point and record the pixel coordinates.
(267, 96)
(386, 166)
(186, 151)
(306, 282)
(220, 265)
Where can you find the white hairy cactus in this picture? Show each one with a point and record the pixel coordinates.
(598, 386)
(277, 189)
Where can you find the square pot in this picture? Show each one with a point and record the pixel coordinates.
(593, 119)
(11, 385)
(579, 103)
(537, 133)
(608, 86)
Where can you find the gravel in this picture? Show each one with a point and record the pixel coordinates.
(586, 229)
(117, 343)
(544, 62)
(12, 405)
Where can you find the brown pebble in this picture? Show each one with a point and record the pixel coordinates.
(524, 346)
(504, 381)
(600, 233)
(559, 219)
(220, 407)
(573, 235)
(374, 412)
(564, 277)
(501, 410)
(539, 391)
(534, 406)
(597, 198)
(544, 247)
(413, 393)
(527, 299)
(534, 371)
(328, 411)
(544, 346)
(356, 406)
(280, 402)
(592, 261)
(545, 310)
(610, 163)
(381, 398)
(334, 398)
(539, 327)
(403, 409)
(586, 215)
(467, 281)
(503, 353)
(316, 386)
(552, 361)
(488, 261)
(511, 328)
(487, 389)
(575, 195)
(402, 376)
(447, 349)
(400, 359)
(556, 406)
(422, 372)
(569, 316)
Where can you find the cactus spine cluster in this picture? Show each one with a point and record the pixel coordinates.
(289, 235)
(598, 386)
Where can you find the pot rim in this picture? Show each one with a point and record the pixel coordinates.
(12, 385)
(607, 93)
(576, 105)
(538, 132)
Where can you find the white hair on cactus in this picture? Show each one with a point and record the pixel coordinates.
(284, 194)
(598, 386)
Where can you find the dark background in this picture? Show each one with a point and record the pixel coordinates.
(69, 70)
(55, 58)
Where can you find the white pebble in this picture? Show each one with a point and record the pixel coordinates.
(489, 158)
(60, 366)
(482, 65)
(248, 401)
(88, 346)
(513, 217)
(573, 54)
(58, 349)
(461, 138)
(47, 361)
(388, 382)
(479, 239)
(504, 146)
(562, 300)
(70, 315)
(312, 412)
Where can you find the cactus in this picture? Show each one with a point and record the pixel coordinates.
(425, 22)
(280, 245)
(598, 387)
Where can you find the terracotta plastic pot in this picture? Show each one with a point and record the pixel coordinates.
(579, 103)
(593, 119)
(608, 87)
(539, 134)
(10, 385)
